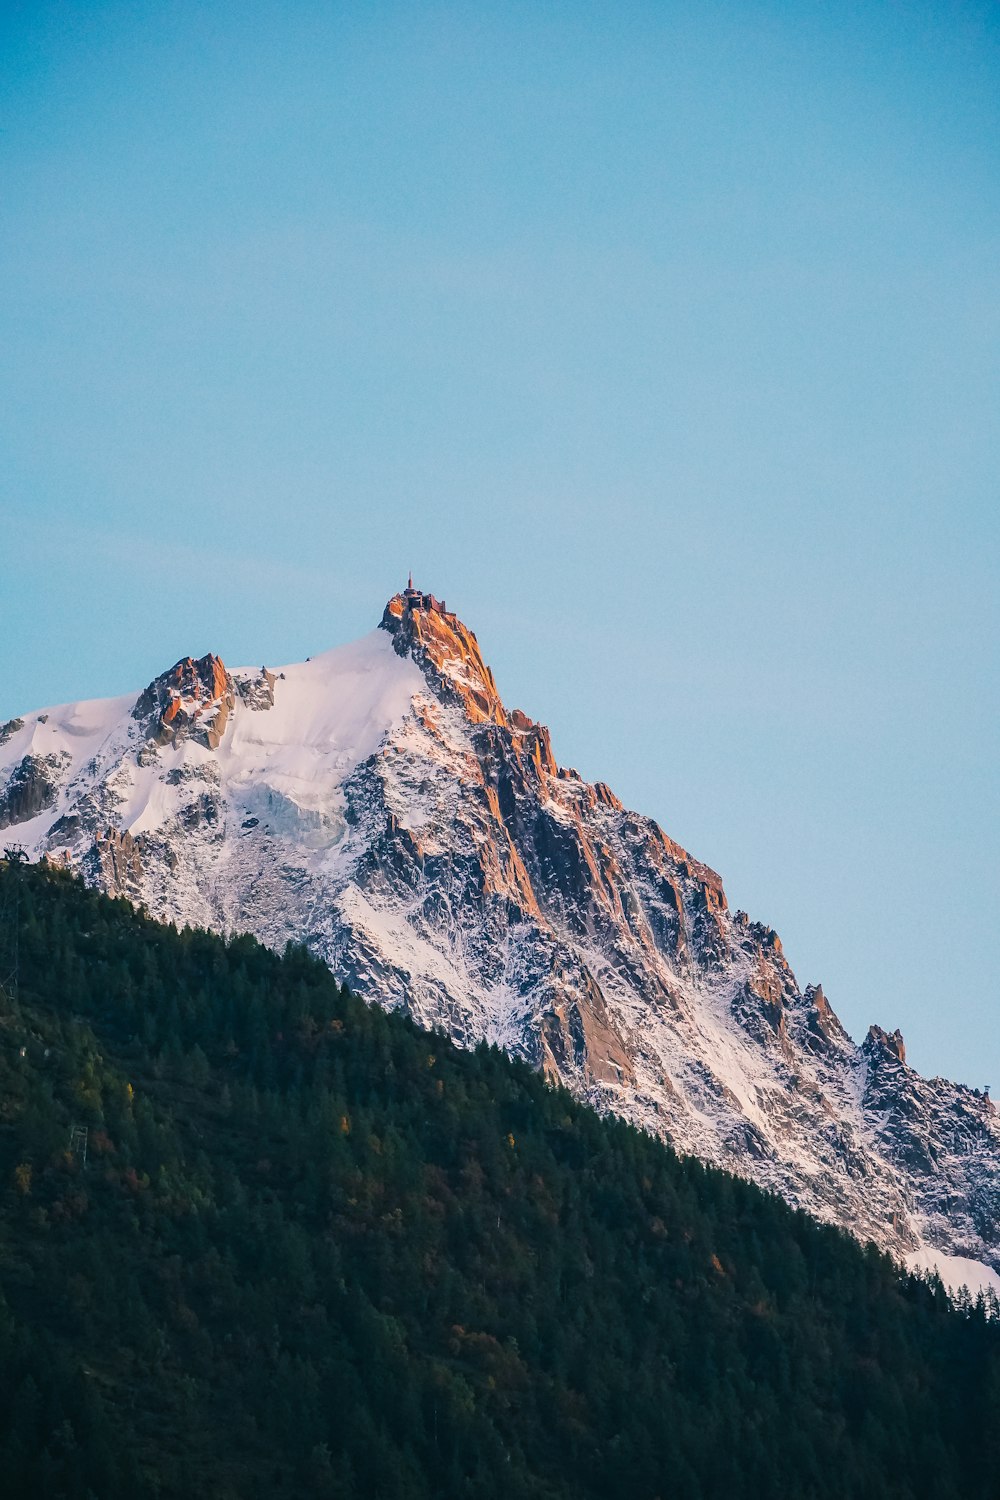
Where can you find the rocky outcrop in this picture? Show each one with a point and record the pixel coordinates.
(879, 1042)
(194, 699)
(824, 1028)
(257, 692)
(115, 863)
(31, 788)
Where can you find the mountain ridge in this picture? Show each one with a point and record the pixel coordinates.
(380, 803)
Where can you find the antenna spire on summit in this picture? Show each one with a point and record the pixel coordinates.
(409, 583)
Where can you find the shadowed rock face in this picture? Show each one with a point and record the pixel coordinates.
(878, 1042)
(31, 788)
(459, 872)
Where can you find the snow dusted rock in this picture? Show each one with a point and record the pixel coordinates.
(31, 787)
(380, 803)
(256, 691)
(8, 730)
(193, 698)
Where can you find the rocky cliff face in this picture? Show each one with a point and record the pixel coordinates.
(193, 698)
(381, 804)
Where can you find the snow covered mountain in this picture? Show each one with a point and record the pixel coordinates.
(381, 804)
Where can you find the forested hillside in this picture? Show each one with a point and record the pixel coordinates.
(313, 1250)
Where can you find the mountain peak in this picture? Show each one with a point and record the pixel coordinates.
(447, 652)
(381, 804)
(888, 1043)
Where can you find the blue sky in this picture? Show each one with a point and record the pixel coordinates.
(661, 339)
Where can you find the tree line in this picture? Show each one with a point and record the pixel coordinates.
(257, 1237)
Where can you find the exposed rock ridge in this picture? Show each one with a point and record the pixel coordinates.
(447, 652)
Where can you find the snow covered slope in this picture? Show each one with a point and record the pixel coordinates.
(381, 804)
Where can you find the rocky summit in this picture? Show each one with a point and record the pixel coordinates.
(381, 804)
